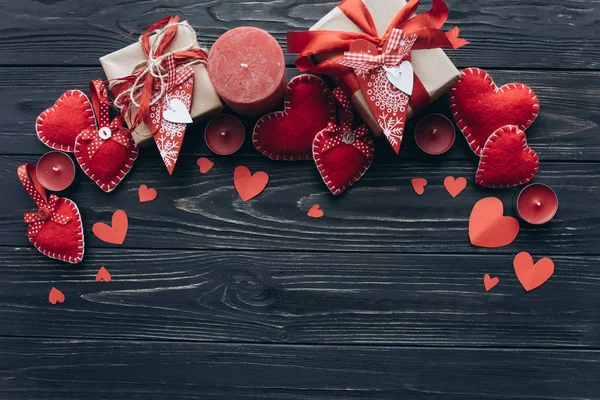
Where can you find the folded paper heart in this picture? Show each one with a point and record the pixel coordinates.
(56, 296)
(205, 164)
(116, 233)
(177, 112)
(479, 107)
(315, 212)
(145, 194)
(402, 76)
(418, 185)
(249, 185)
(532, 275)
(490, 282)
(103, 275)
(455, 186)
(488, 227)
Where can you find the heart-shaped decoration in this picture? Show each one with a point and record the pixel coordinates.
(402, 76)
(205, 164)
(490, 282)
(56, 296)
(532, 275)
(103, 275)
(116, 233)
(249, 185)
(506, 160)
(177, 112)
(146, 194)
(479, 107)
(488, 227)
(315, 212)
(58, 126)
(418, 185)
(455, 186)
(289, 134)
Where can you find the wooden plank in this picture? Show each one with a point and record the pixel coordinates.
(522, 34)
(567, 128)
(381, 213)
(291, 297)
(73, 369)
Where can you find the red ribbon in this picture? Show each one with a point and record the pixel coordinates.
(46, 207)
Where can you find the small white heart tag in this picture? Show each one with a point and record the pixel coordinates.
(401, 76)
(177, 113)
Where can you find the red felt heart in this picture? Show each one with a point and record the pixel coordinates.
(289, 134)
(480, 107)
(507, 160)
(58, 126)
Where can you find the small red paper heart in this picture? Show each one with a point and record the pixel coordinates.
(455, 186)
(146, 194)
(116, 233)
(488, 227)
(532, 275)
(248, 185)
(103, 275)
(58, 126)
(205, 164)
(315, 212)
(507, 160)
(56, 296)
(289, 134)
(490, 282)
(480, 107)
(418, 185)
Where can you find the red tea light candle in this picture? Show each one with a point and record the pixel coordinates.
(224, 134)
(434, 134)
(247, 68)
(537, 203)
(55, 171)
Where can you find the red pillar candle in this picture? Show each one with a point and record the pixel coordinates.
(224, 134)
(55, 171)
(434, 134)
(537, 203)
(247, 68)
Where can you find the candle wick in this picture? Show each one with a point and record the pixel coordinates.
(434, 131)
(223, 133)
(244, 65)
(539, 204)
(55, 169)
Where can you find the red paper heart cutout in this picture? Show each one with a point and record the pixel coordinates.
(315, 212)
(103, 275)
(455, 186)
(507, 160)
(488, 227)
(116, 233)
(288, 134)
(58, 126)
(479, 107)
(56, 296)
(532, 275)
(418, 185)
(490, 282)
(205, 165)
(249, 185)
(146, 194)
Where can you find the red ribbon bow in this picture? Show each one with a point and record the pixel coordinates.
(343, 133)
(47, 208)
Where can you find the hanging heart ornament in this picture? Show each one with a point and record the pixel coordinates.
(177, 112)
(402, 77)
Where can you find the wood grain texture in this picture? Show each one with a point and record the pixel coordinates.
(160, 370)
(381, 212)
(566, 129)
(503, 33)
(292, 297)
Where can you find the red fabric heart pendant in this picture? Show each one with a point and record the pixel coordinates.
(480, 107)
(289, 134)
(105, 154)
(343, 155)
(507, 160)
(55, 229)
(58, 126)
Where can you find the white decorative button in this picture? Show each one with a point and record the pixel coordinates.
(105, 133)
(349, 137)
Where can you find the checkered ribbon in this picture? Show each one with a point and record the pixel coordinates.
(396, 50)
(339, 134)
(47, 208)
(175, 77)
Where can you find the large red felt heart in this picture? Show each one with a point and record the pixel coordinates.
(289, 134)
(480, 107)
(58, 126)
(507, 160)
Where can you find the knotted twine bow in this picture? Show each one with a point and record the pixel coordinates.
(107, 129)
(47, 207)
(343, 133)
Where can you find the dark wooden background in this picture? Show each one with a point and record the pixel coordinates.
(382, 298)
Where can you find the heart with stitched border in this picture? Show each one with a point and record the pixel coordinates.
(288, 134)
(506, 160)
(479, 107)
